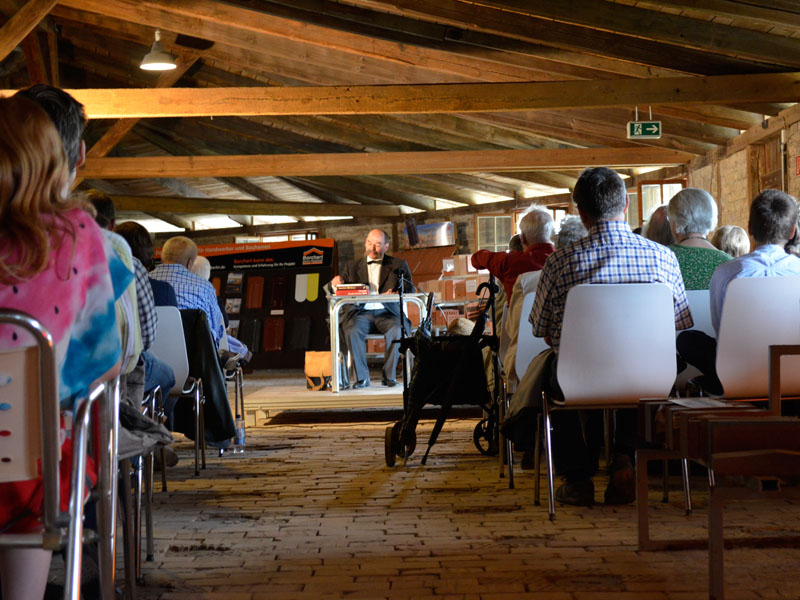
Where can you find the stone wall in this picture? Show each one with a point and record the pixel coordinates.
(726, 178)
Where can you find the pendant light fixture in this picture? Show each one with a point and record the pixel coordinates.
(157, 59)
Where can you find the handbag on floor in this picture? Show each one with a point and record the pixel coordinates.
(318, 370)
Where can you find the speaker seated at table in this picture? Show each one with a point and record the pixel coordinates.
(383, 273)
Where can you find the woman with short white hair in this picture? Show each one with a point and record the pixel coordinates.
(692, 214)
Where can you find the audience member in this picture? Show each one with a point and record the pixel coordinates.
(692, 214)
(773, 221)
(380, 271)
(536, 233)
(141, 244)
(572, 230)
(177, 257)
(52, 266)
(611, 253)
(793, 245)
(127, 305)
(657, 227)
(515, 243)
(157, 372)
(732, 240)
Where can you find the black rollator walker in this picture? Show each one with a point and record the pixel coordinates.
(448, 370)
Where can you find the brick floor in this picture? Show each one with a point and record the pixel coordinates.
(311, 511)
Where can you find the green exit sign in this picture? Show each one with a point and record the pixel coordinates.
(644, 130)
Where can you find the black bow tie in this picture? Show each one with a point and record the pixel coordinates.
(374, 262)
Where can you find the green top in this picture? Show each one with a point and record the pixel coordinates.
(698, 264)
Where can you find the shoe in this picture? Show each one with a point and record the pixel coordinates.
(528, 463)
(388, 382)
(361, 383)
(229, 360)
(576, 493)
(622, 483)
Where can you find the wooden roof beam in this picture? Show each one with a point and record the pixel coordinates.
(151, 204)
(22, 23)
(378, 163)
(434, 98)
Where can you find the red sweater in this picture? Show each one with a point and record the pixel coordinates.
(507, 266)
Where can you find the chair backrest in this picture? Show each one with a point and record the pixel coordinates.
(700, 306)
(170, 345)
(758, 312)
(29, 410)
(617, 343)
(527, 345)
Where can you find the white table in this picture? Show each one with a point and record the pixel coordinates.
(335, 304)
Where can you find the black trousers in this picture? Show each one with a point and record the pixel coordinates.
(699, 350)
(577, 435)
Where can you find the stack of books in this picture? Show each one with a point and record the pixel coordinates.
(352, 289)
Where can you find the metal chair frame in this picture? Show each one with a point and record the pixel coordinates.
(65, 529)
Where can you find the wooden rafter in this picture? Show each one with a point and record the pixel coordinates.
(664, 27)
(22, 23)
(434, 98)
(384, 163)
(249, 207)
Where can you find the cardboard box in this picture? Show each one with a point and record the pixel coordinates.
(448, 266)
(376, 346)
(472, 285)
(460, 289)
(462, 264)
(448, 289)
(442, 317)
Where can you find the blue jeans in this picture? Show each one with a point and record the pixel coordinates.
(157, 372)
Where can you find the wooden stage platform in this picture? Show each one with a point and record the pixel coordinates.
(267, 393)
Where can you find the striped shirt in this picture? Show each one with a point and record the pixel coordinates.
(611, 253)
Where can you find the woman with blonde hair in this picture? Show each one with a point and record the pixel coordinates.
(52, 266)
(732, 239)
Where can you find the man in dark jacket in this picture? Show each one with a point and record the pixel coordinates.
(381, 272)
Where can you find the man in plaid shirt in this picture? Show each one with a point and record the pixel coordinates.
(611, 253)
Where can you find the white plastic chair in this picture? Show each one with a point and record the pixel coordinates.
(617, 346)
(170, 347)
(31, 432)
(700, 306)
(528, 346)
(758, 312)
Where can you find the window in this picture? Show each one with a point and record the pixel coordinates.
(653, 194)
(494, 231)
(278, 236)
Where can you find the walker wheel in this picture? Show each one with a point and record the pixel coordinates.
(485, 438)
(388, 446)
(408, 445)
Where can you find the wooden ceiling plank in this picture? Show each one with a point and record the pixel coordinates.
(363, 191)
(660, 26)
(435, 98)
(172, 219)
(393, 163)
(22, 23)
(247, 28)
(789, 15)
(249, 207)
(483, 17)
